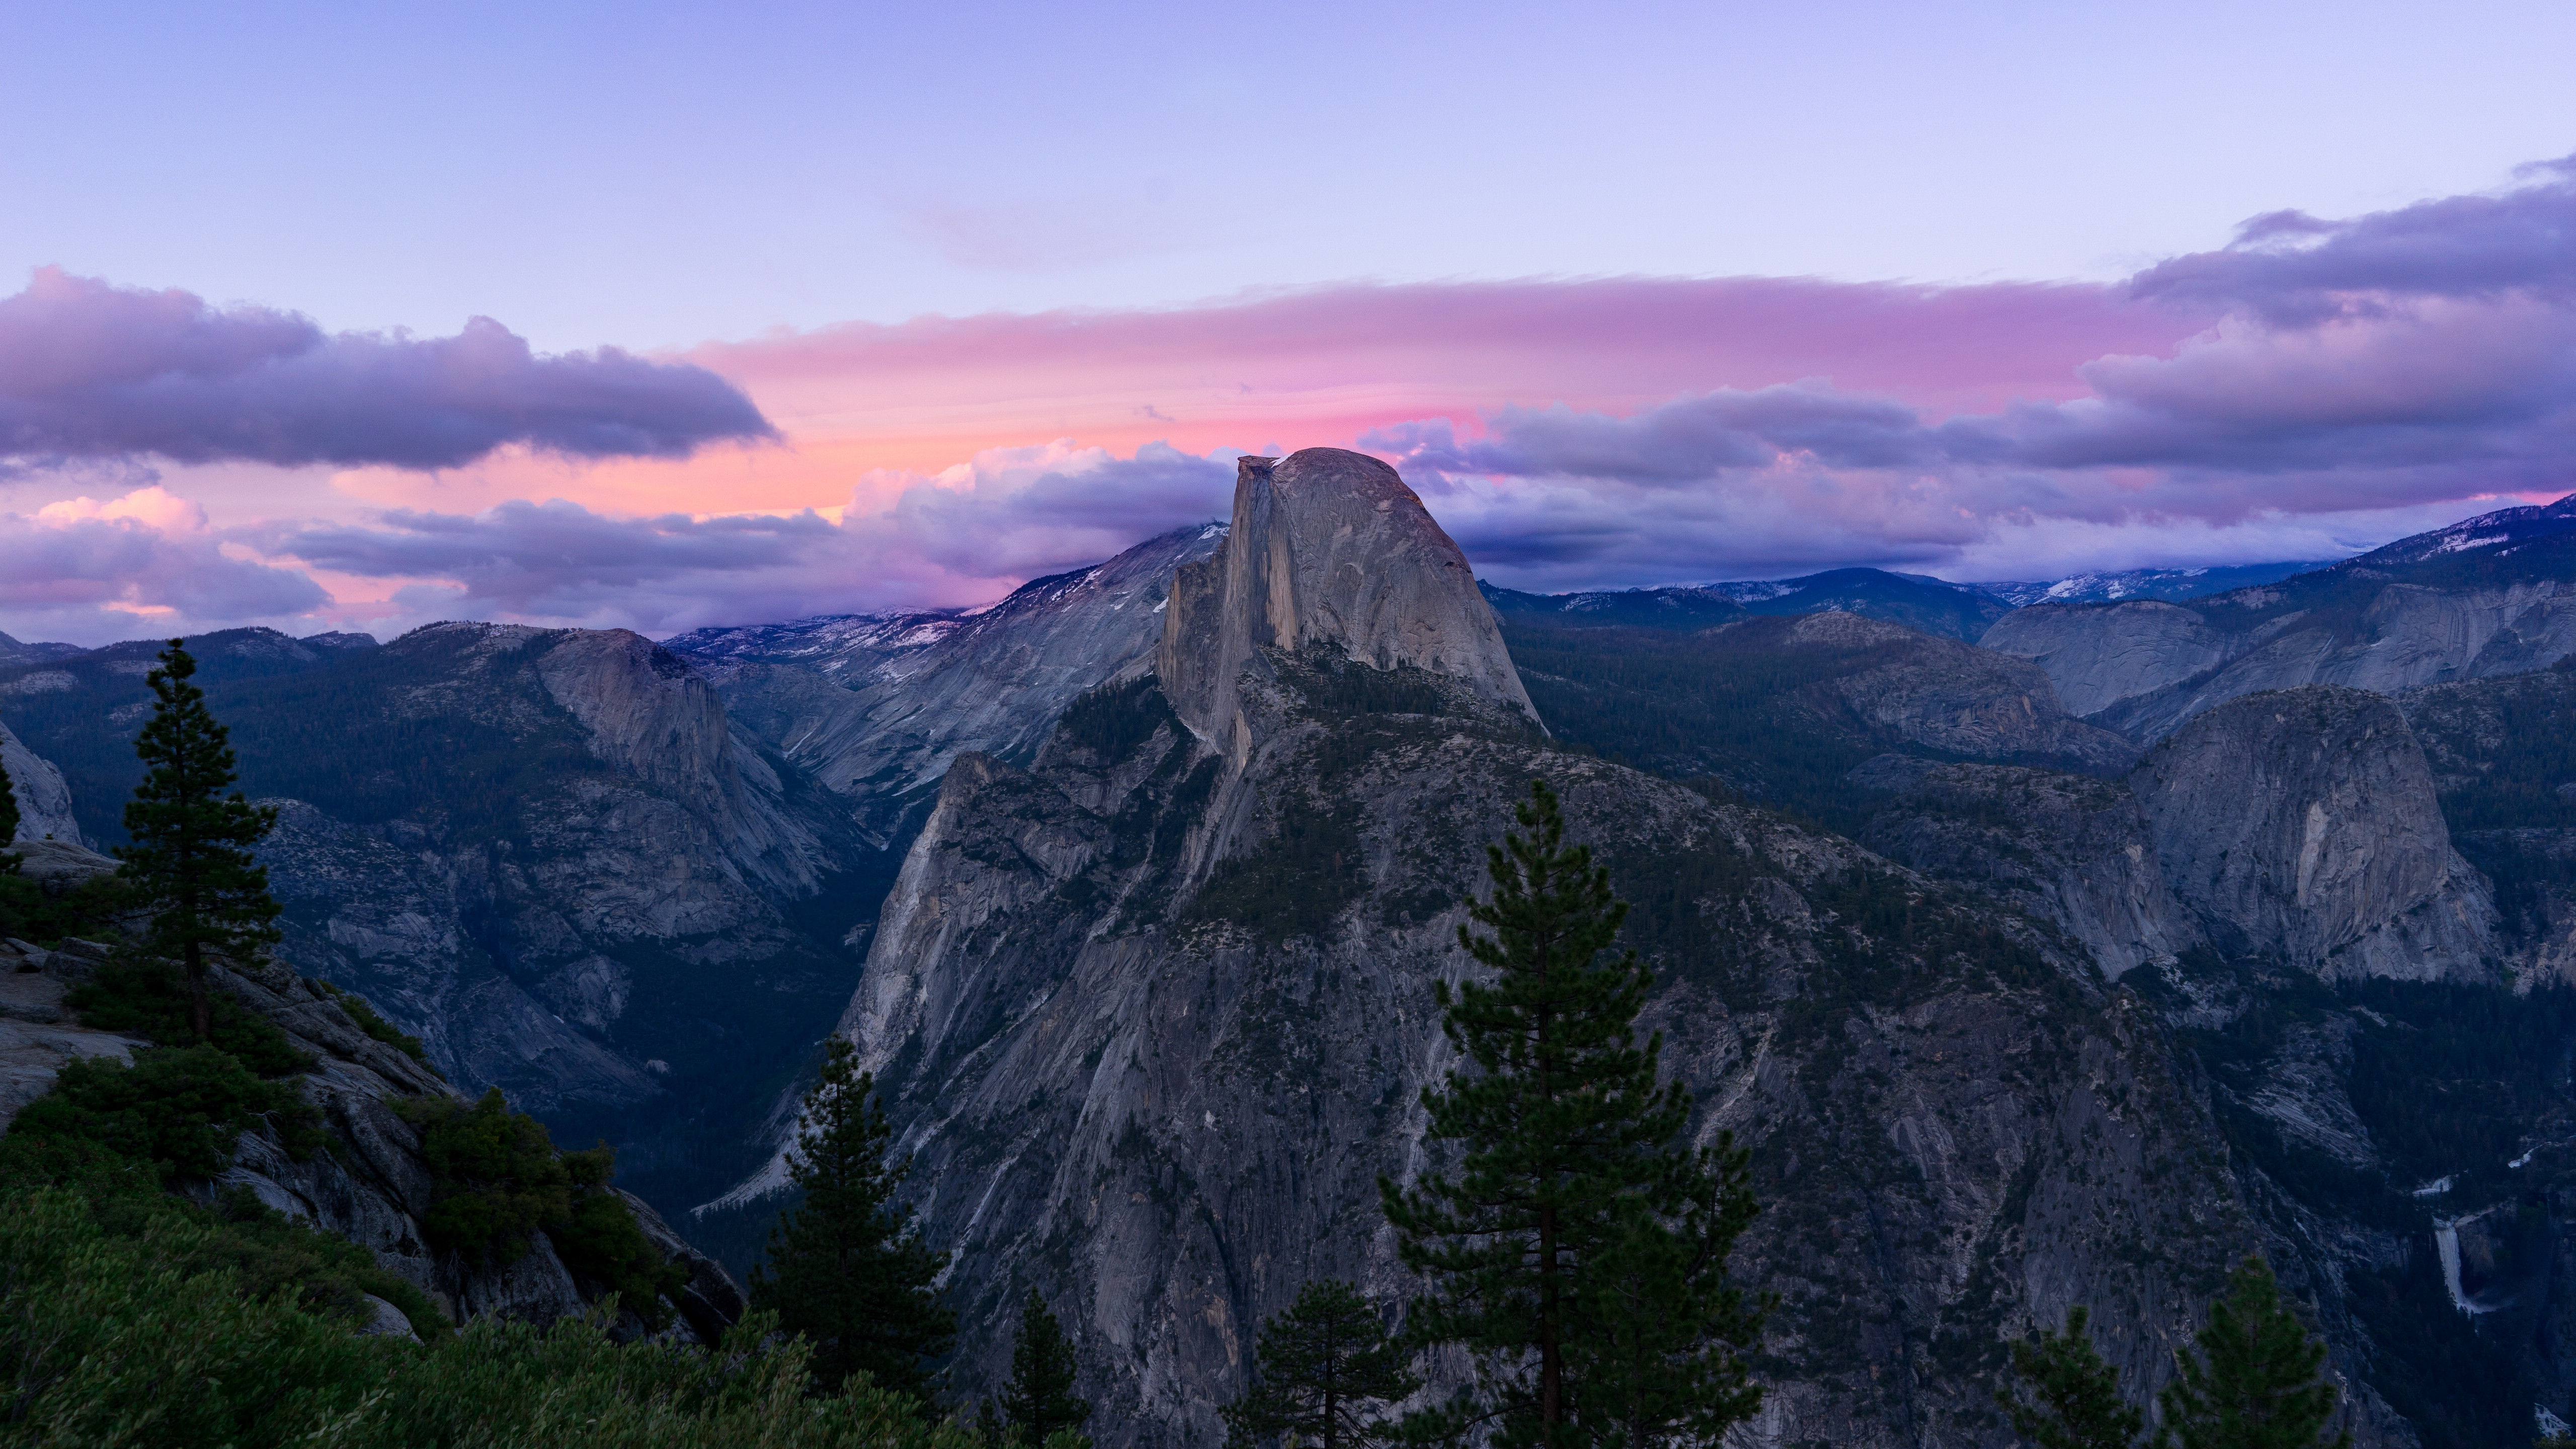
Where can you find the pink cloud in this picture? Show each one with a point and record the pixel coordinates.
(2315, 387)
(92, 571)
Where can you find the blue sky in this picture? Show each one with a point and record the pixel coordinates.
(657, 175)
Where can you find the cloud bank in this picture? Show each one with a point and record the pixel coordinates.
(90, 370)
(2314, 387)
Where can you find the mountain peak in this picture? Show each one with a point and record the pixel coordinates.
(1328, 547)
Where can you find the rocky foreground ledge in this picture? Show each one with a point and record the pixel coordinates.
(371, 1182)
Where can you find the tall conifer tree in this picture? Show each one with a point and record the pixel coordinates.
(1324, 1375)
(2067, 1397)
(1039, 1403)
(1577, 1252)
(190, 863)
(2253, 1378)
(847, 1267)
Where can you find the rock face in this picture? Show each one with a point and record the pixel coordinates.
(2074, 851)
(1951, 696)
(1327, 547)
(2491, 596)
(2304, 824)
(599, 895)
(992, 683)
(44, 801)
(1152, 1014)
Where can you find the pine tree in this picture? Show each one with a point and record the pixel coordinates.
(190, 863)
(1038, 1403)
(846, 1267)
(1576, 1253)
(2251, 1380)
(1324, 1374)
(2074, 1397)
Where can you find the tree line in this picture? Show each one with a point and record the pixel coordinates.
(1572, 1256)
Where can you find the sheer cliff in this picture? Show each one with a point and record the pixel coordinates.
(1153, 1010)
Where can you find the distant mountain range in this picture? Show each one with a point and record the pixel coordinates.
(2146, 583)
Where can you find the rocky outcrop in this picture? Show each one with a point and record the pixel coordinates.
(2499, 753)
(1152, 1014)
(1327, 547)
(1949, 696)
(38, 1034)
(1165, 1104)
(44, 801)
(2491, 596)
(2067, 849)
(991, 683)
(2304, 824)
(2100, 655)
(371, 1184)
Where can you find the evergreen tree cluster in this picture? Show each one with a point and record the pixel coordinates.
(2252, 1379)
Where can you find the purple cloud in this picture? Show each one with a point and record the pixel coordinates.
(92, 370)
(962, 538)
(2291, 268)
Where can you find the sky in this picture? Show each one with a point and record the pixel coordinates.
(659, 316)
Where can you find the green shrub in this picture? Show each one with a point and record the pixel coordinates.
(364, 1014)
(497, 1179)
(273, 1255)
(31, 913)
(178, 1108)
(150, 997)
(134, 1340)
(115, 1341)
(603, 1242)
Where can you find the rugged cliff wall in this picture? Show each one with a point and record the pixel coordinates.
(2067, 849)
(1153, 1013)
(991, 683)
(2303, 824)
(44, 801)
(1327, 547)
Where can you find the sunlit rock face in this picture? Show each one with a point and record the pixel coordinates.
(2304, 824)
(1328, 547)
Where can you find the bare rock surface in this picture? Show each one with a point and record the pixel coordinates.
(44, 801)
(38, 1034)
(1952, 696)
(2304, 824)
(1152, 1014)
(990, 683)
(1328, 547)
(2490, 596)
(2068, 849)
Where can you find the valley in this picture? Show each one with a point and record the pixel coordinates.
(2045, 950)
